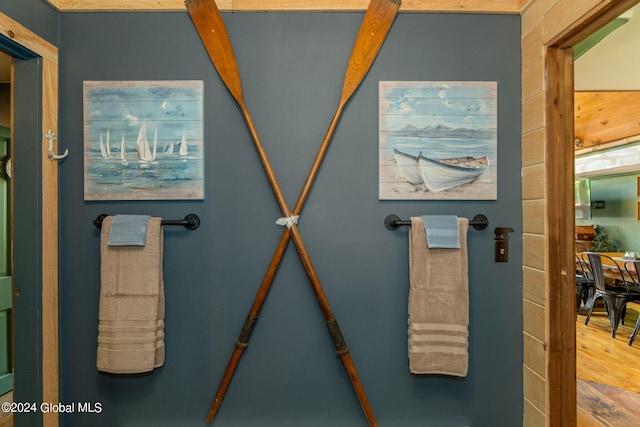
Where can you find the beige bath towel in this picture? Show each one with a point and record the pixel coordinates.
(131, 311)
(438, 304)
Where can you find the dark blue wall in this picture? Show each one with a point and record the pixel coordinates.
(36, 15)
(292, 65)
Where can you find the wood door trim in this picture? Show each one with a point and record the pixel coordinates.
(50, 380)
(49, 293)
(561, 363)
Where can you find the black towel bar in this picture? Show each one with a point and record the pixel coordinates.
(190, 222)
(393, 222)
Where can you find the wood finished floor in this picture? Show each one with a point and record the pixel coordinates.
(608, 372)
(6, 418)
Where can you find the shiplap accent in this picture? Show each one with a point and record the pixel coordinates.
(533, 417)
(533, 148)
(534, 386)
(533, 319)
(455, 6)
(534, 177)
(534, 285)
(534, 354)
(49, 54)
(532, 80)
(533, 217)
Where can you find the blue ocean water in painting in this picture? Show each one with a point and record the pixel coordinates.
(471, 145)
(167, 174)
(143, 140)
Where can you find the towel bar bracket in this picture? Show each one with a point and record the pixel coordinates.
(479, 222)
(393, 222)
(190, 222)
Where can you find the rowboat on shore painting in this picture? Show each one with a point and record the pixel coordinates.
(442, 174)
(147, 119)
(438, 141)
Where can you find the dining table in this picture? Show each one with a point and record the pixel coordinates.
(616, 267)
(627, 267)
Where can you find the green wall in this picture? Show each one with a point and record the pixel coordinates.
(619, 216)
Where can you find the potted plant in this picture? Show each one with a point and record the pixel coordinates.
(602, 242)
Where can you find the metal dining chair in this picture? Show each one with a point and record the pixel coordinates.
(633, 269)
(615, 296)
(584, 283)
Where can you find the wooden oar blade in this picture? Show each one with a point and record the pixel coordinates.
(373, 31)
(208, 22)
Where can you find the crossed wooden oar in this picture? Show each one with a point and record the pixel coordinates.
(374, 28)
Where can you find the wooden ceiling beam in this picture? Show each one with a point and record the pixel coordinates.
(602, 117)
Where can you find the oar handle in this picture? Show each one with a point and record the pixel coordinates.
(266, 164)
(317, 162)
(224, 383)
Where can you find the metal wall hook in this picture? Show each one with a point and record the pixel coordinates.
(51, 136)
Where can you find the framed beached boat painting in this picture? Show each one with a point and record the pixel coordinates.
(143, 140)
(437, 140)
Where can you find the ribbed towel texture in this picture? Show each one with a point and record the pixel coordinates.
(442, 231)
(438, 304)
(131, 307)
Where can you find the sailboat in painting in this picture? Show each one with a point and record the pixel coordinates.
(105, 149)
(184, 147)
(155, 144)
(123, 152)
(142, 145)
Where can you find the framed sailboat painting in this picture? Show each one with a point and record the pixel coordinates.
(437, 140)
(143, 140)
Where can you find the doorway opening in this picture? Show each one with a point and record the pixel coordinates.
(606, 104)
(6, 285)
(560, 213)
(34, 106)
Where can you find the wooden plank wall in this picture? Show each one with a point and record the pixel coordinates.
(535, 281)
